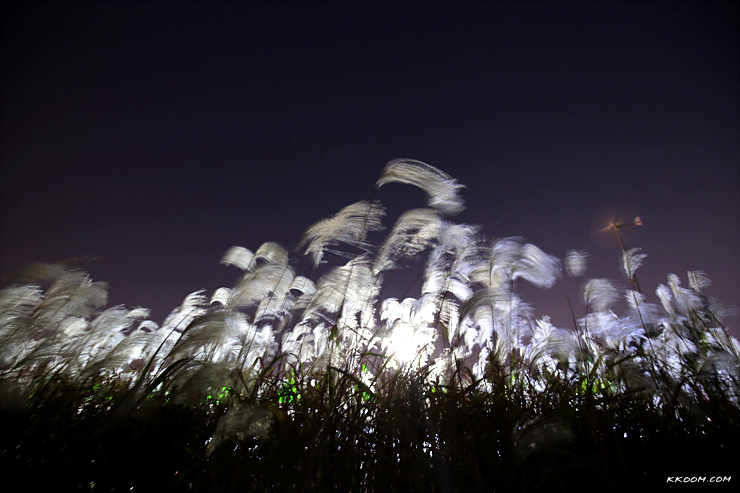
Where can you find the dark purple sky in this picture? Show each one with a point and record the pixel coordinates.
(156, 136)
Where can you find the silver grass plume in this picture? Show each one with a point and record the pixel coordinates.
(303, 285)
(351, 289)
(549, 345)
(453, 242)
(698, 280)
(536, 266)
(495, 269)
(196, 380)
(509, 260)
(441, 188)
(634, 299)
(213, 337)
(193, 305)
(266, 280)
(666, 299)
(272, 253)
(414, 231)
(600, 294)
(684, 299)
(72, 297)
(136, 348)
(631, 261)
(576, 262)
(106, 331)
(457, 238)
(612, 331)
(349, 226)
(17, 304)
(222, 295)
(238, 257)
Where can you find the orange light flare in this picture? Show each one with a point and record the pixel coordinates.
(614, 219)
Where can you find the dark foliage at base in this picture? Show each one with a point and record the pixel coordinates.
(333, 436)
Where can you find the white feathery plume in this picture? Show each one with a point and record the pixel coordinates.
(239, 257)
(138, 313)
(351, 288)
(454, 241)
(698, 280)
(259, 343)
(443, 367)
(274, 308)
(536, 266)
(549, 341)
(73, 327)
(96, 346)
(676, 344)
(272, 253)
(612, 331)
(107, 330)
(298, 344)
(459, 289)
(221, 295)
(17, 303)
(148, 326)
(439, 279)
(266, 279)
(193, 305)
(666, 299)
(685, 299)
(493, 310)
(631, 261)
(69, 299)
(449, 315)
(425, 310)
(358, 309)
(458, 237)
(64, 278)
(303, 285)
(479, 368)
(436, 271)
(482, 299)
(441, 188)
(725, 341)
(576, 262)
(600, 294)
(350, 226)
(390, 311)
(213, 337)
(117, 319)
(495, 270)
(52, 351)
(634, 299)
(509, 260)
(414, 231)
(137, 346)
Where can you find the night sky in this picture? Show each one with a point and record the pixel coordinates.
(153, 137)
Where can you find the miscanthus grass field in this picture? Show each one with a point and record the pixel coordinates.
(318, 382)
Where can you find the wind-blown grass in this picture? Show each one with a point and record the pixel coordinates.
(284, 382)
